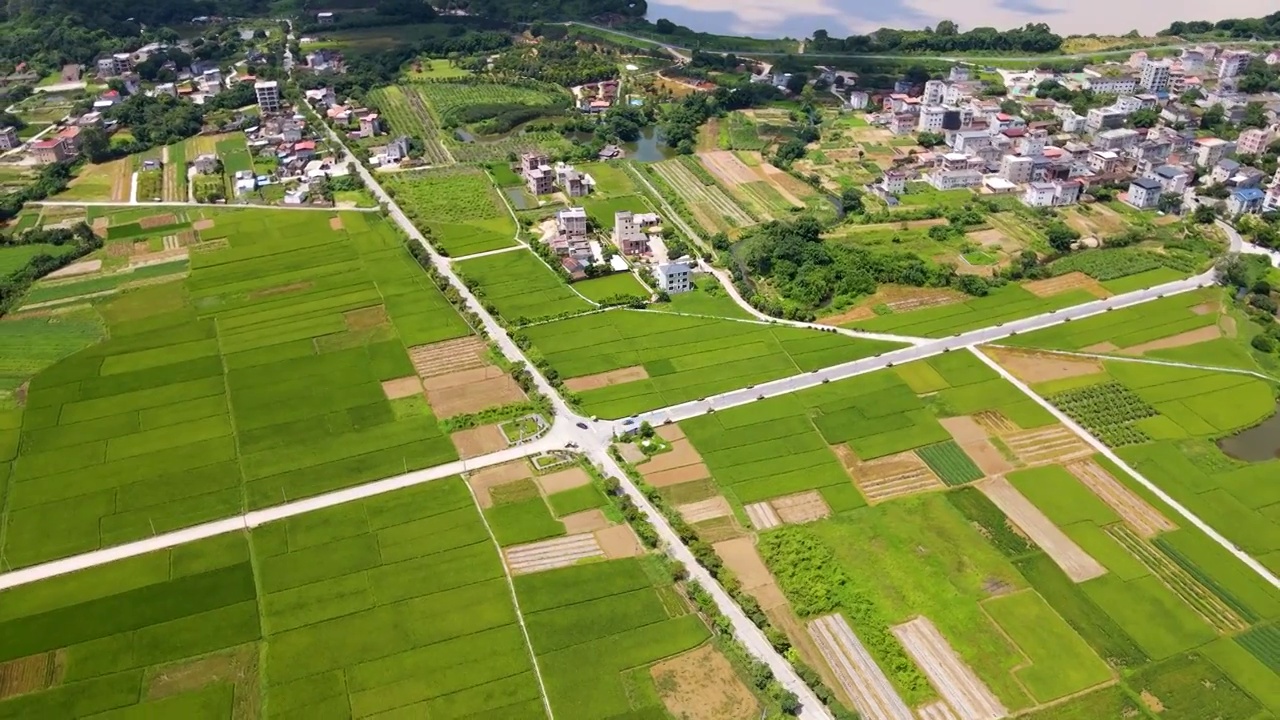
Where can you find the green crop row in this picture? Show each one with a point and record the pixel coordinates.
(950, 463)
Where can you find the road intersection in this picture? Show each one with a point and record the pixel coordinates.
(593, 438)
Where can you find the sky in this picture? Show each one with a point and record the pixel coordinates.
(799, 18)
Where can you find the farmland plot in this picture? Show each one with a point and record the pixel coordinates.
(521, 286)
(459, 209)
(205, 396)
(406, 113)
(714, 208)
(684, 358)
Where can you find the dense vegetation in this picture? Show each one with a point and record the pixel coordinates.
(945, 37)
(1263, 28)
(562, 63)
(680, 123)
(521, 11)
(80, 240)
(808, 273)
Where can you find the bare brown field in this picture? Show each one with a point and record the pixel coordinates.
(1136, 512)
(741, 557)
(83, 267)
(205, 224)
(671, 433)
(679, 465)
(449, 356)
(994, 422)
(702, 685)
(1037, 367)
(990, 238)
(474, 396)
(563, 480)
(987, 457)
(335, 223)
(801, 507)
(605, 379)
(237, 666)
(30, 674)
(890, 476)
(482, 481)
(1062, 283)
(762, 515)
(402, 387)
(857, 672)
(861, 312)
(619, 541)
(682, 453)
(1055, 443)
(1069, 556)
(478, 441)
(677, 476)
(1191, 337)
(727, 168)
(550, 554)
(701, 510)
(155, 221)
(585, 521)
(365, 318)
(954, 680)
(963, 429)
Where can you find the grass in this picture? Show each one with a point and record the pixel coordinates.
(1002, 305)
(623, 284)
(520, 286)
(459, 209)
(204, 398)
(684, 357)
(589, 623)
(576, 500)
(1128, 327)
(706, 298)
(1061, 662)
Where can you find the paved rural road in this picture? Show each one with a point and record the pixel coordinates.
(596, 443)
(178, 203)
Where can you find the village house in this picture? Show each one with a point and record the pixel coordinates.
(674, 277)
(9, 138)
(47, 152)
(206, 164)
(1144, 193)
(370, 125)
(538, 175)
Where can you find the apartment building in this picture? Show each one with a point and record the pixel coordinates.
(1232, 62)
(9, 138)
(1016, 169)
(1144, 193)
(1211, 150)
(1155, 75)
(1118, 85)
(268, 92)
(1253, 141)
(1172, 179)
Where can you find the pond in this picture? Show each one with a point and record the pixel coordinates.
(649, 148)
(519, 199)
(1259, 443)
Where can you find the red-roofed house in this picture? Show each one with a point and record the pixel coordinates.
(47, 152)
(305, 149)
(70, 140)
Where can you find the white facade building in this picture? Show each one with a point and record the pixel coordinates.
(1155, 75)
(675, 277)
(268, 92)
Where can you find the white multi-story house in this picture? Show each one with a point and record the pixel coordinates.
(1016, 169)
(9, 138)
(1192, 61)
(1108, 118)
(1104, 161)
(674, 277)
(931, 118)
(1155, 75)
(268, 92)
(1253, 141)
(1118, 85)
(1144, 193)
(934, 92)
(1052, 194)
(1211, 150)
(894, 183)
(1232, 62)
(1172, 179)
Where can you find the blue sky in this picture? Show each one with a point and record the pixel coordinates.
(799, 18)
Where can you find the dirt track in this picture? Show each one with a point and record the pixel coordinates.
(1144, 519)
(873, 695)
(1069, 556)
(954, 680)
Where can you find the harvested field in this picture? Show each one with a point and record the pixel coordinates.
(146, 259)
(551, 554)
(987, 457)
(585, 521)
(478, 441)
(710, 509)
(963, 429)
(1062, 283)
(861, 312)
(936, 711)
(863, 681)
(679, 475)
(30, 674)
(671, 433)
(906, 299)
(365, 318)
(402, 387)
(1069, 556)
(718, 529)
(449, 356)
(481, 481)
(991, 238)
(206, 224)
(335, 223)
(473, 395)
(762, 515)
(890, 476)
(619, 542)
(954, 680)
(75, 269)
(1205, 308)
(237, 666)
(702, 685)
(1191, 337)
(155, 221)
(727, 167)
(1136, 512)
(740, 556)
(801, 507)
(791, 189)
(1102, 347)
(605, 379)
(995, 422)
(140, 247)
(563, 480)
(1055, 443)
(1038, 367)
(679, 465)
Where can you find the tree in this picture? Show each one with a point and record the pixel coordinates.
(1169, 202)
(1205, 214)
(1213, 117)
(928, 139)
(1061, 236)
(1145, 118)
(789, 703)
